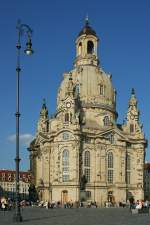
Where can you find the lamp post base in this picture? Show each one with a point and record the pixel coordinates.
(17, 218)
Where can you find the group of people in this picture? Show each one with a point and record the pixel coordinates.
(70, 204)
(48, 204)
(58, 204)
(139, 204)
(7, 204)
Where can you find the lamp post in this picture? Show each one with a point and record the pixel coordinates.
(21, 29)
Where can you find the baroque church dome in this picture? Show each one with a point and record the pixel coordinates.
(92, 85)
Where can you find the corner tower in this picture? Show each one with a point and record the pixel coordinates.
(132, 125)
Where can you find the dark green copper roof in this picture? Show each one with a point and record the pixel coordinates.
(87, 30)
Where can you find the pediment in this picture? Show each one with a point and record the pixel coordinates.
(42, 138)
(68, 98)
(65, 135)
(118, 135)
(64, 104)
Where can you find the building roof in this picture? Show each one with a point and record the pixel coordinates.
(87, 29)
(9, 176)
(12, 171)
(147, 166)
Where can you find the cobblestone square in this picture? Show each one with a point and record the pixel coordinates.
(80, 216)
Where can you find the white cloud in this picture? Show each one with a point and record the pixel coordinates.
(25, 139)
(12, 138)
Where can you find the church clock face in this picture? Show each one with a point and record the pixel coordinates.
(68, 104)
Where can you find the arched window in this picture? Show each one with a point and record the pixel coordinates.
(87, 165)
(65, 165)
(80, 48)
(64, 196)
(66, 117)
(110, 167)
(131, 128)
(90, 47)
(70, 117)
(101, 89)
(110, 160)
(87, 159)
(111, 138)
(128, 165)
(106, 121)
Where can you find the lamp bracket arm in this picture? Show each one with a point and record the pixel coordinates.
(24, 28)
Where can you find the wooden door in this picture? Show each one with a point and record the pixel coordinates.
(64, 196)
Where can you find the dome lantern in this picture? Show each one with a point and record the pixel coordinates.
(86, 46)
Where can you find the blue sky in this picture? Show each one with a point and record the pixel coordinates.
(124, 51)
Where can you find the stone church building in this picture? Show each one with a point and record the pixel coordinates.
(81, 153)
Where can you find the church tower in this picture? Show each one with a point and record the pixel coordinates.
(43, 120)
(81, 153)
(86, 46)
(132, 125)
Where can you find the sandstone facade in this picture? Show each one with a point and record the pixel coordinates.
(81, 153)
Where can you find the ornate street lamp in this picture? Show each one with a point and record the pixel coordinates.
(21, 29)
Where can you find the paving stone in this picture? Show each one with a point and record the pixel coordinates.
(81, 216)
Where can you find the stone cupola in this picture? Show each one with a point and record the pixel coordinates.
(86, 46)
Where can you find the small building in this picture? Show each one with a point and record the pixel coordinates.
(147, 181)
(8, 185)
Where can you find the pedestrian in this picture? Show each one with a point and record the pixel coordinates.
(3, 207)
(46, 204)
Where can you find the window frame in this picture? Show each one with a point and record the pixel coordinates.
(87, 164)
(110, 167)
(65, 165)
(90, 47)
(106, 121)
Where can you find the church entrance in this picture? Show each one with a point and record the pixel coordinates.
(111, 197)
(64, 196)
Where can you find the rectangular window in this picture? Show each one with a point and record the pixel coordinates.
(101, 89)
(87, 139)
(131, 128)
(111, 139)
(65, 177)
(65, 169)
(67, 117)
(65, 163)
(110, 176)
(65, 136)
(87, 174)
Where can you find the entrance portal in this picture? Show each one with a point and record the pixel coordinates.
(64, 197)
